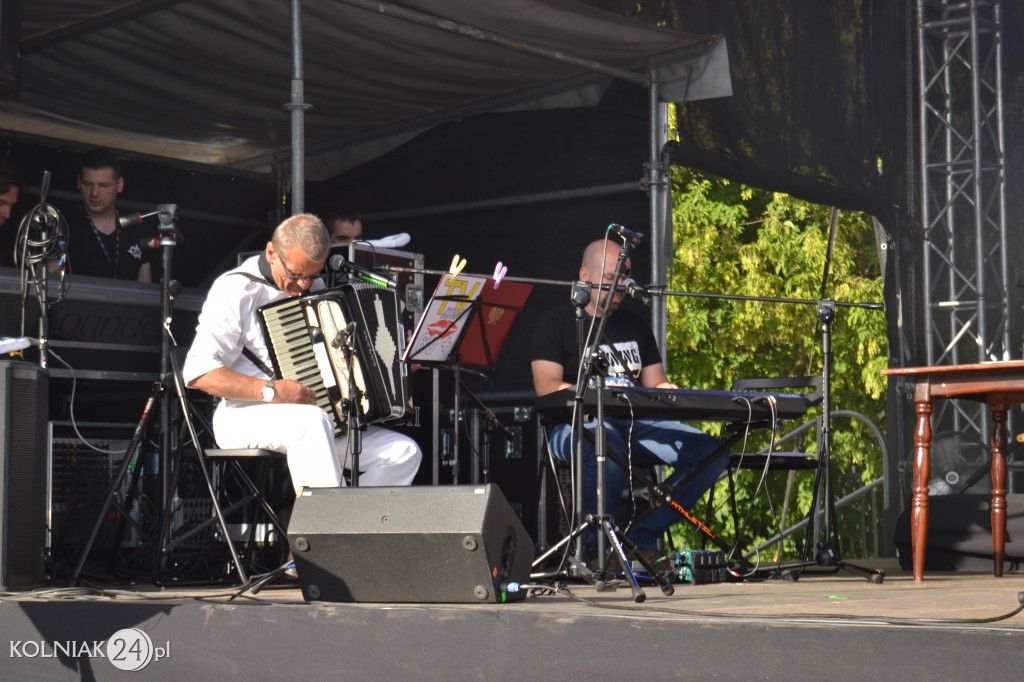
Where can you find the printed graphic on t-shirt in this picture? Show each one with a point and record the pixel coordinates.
(628, 351)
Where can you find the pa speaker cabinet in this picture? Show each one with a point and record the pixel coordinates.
(24, 408)
(459, 544)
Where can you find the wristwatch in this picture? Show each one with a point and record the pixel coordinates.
(267, 391)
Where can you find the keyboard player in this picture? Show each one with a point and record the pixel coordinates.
(229, 359)
(634, 360)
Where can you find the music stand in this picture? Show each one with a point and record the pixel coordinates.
(466, 323)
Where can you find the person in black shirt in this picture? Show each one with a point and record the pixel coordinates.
(634, 360)
(97, 244)
(345, 225)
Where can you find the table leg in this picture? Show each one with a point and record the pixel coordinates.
(922, 470)
(998, 490)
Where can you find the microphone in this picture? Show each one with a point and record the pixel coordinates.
(635, 239)
(636, 291)
(133, 219)
(338, 263)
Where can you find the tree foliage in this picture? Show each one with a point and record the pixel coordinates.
(733, 239)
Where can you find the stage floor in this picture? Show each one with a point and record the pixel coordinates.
(819, 627)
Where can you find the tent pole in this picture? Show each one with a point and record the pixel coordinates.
(658, 191)
(298, 110)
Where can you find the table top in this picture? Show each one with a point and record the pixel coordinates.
(983, 367)
(1000, 384)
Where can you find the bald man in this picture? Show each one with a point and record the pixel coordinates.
(634, 360)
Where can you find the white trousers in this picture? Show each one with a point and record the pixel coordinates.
(316, 459)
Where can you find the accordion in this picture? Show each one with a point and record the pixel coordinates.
(307, 335)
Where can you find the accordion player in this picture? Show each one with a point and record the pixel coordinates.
(307, 338)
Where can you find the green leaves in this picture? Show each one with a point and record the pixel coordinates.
(733, 239)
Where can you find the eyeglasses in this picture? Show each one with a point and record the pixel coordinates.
(288, 273)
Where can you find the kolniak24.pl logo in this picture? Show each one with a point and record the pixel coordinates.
(127, 649)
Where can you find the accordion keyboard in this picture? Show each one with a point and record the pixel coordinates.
(298, 359)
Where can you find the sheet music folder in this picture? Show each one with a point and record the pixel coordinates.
(467, 320)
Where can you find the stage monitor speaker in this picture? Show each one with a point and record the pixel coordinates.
(459, 544)
(24, 408)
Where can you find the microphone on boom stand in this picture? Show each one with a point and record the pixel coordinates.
(339, 263)
(134, 219)
(636, 291)
(635, 239)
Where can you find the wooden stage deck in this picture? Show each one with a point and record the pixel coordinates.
(837, 627)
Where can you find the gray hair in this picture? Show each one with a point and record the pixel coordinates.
(305, 230)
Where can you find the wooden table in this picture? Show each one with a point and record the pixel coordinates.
(999, 385)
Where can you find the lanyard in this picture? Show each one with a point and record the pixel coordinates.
(103, 245)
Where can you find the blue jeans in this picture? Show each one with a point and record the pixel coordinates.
(653, 442)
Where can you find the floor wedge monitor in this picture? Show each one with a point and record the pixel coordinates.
(461, 544)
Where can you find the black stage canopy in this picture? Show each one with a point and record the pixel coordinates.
(207, 81)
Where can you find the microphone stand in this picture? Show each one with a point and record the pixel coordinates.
(481, 461)
(36, 252)
(167, 214)
(352, 407)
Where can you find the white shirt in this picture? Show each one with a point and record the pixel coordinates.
(229, 322)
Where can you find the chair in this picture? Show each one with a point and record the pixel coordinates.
(772, 458)
(787, 459)
(222, 476)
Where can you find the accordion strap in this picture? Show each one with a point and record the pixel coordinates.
(256, 361)
(255, 278)
(246, 351)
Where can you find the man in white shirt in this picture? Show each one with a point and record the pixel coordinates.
(281, 415)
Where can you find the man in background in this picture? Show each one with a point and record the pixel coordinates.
(345, 225)
(97, 244)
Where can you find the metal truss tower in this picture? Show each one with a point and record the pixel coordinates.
(963, 206)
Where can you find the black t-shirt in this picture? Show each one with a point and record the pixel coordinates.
(554, 339)
(120, 255)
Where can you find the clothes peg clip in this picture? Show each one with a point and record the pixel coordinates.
(499, 273)
(456, 266)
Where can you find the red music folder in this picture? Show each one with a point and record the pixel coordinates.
(467, 314)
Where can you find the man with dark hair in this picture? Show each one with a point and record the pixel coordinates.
(634, 360)
(345, 225)
(97, 244)
(281, 415)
